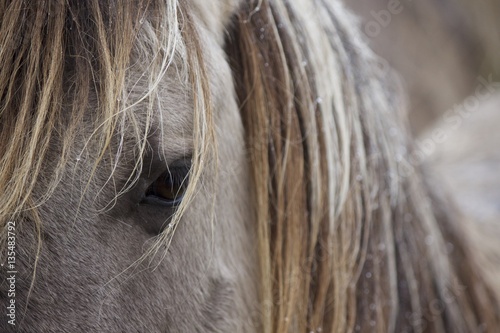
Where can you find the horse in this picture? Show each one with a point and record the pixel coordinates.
(217, 166)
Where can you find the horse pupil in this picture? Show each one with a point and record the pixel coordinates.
(170, 186)
(167, 189)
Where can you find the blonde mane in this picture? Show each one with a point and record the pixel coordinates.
(350, 237)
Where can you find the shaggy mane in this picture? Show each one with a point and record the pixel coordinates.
(348, 237)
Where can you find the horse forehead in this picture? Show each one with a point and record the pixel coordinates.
(172, 127)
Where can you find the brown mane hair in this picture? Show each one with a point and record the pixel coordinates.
(349, 239)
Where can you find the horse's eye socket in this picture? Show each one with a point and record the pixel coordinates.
(169, 188)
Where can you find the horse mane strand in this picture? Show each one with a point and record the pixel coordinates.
(349, 238)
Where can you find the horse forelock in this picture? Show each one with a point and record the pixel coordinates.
(70, 61)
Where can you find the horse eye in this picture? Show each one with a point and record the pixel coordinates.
(169, 188)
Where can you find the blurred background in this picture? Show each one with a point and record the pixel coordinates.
(439, 47)
(448, 55)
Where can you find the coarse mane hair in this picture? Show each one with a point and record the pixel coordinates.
(350, 236)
